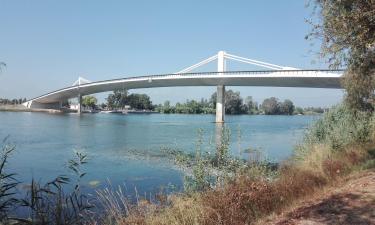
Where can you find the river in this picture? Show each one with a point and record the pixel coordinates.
(126, 149)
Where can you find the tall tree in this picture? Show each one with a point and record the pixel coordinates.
(120, 98)
(111, 101)
(139, 101)
(347, 31)
(250, 106)
(287, 107)
(89, 101)
(233, 102)
(271, 106)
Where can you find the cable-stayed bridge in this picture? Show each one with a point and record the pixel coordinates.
(273, 76)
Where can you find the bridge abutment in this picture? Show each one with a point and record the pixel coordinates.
(38, 105)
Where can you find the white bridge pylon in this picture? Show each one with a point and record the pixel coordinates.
(221, 58)
(80, 81)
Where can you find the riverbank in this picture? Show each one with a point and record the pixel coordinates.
(331, 195)
(21, 108)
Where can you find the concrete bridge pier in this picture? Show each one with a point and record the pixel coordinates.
(220, 93)
(79, 107)
(220, 104)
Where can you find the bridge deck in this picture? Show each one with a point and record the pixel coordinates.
(272, 78)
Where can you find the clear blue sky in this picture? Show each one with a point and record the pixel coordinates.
(48, 44)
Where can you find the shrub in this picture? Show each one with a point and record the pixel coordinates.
(338, 128)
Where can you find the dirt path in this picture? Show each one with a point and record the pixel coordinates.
(352, 202)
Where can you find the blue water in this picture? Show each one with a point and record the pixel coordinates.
(125, 149)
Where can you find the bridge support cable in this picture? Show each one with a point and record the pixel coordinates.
(204, 62)
(80, 81)
(257, 63)
(254, 63)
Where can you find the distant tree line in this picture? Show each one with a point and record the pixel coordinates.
(189, 107)
(234, 105)
(5, 101)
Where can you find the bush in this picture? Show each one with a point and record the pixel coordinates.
(338, 128)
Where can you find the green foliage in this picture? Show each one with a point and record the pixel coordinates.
(272, 106)
(211, 169)
(287, 107)
(338, 128)
(8, 183)
(234, 103)
(5, 101)
(119, 99)
(89, 101)
(346, 29)
(44, 203)
(189, 107)
(139, 101)
(250, 106)
(49, 204)
(298, 110)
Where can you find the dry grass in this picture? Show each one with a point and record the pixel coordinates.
(247, 200)
(184, 211)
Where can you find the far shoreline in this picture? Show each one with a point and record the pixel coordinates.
(21, 108)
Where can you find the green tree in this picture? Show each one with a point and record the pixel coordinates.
(233, 102)
(89, 101)
(111, 101)
(250, 106)
(287, 107)
(117, 99)
(346, 29)
(139, 101)
(121, 98)
(271, 106)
